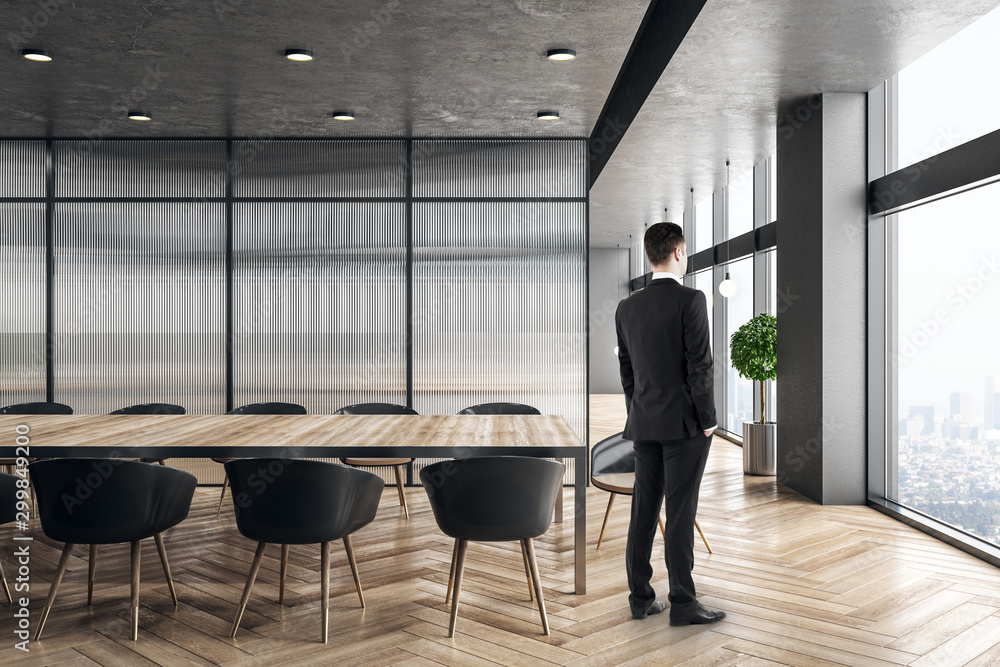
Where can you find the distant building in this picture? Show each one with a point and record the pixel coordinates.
(927, 412)
(996, 410)
(961, 405)
(911, 427)
(988, 422)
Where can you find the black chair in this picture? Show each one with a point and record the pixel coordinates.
(612, 469)
(301, 502)
(8, 512)
(500, 409)
(397, 465)
(108, 501)
(493, 499)
(269, 408)
(151, 409)
(34, 408)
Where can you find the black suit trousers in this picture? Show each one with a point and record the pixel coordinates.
(670, 470)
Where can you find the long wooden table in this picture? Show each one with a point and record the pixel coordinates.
(308, 436)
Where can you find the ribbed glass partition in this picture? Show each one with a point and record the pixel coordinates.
(22, 164)
(22, 303)
(140, 305)
(289, 168)
(499, 168)
(140, 168)
(319, 303)
(499, 296)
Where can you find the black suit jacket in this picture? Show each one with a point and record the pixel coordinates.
(665, 353)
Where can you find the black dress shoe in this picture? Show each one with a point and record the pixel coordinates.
(655, 607)
(695, 614)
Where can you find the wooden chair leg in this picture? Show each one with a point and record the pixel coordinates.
(451, 573)
(325, 589)
(459, 569)
(60, 571)
(284, 569)
(663, 529)
(254, 568)
(6, 588)
(90, 574)
(136, 559)
(222, 497)
(703, 538)
(401, 490)
(529, 545)
(158, 538)
(527, 573)
(349, 548)
(607, 513)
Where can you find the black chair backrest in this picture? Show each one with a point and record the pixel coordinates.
(273, 408)
(500, 409)
(37, 408)
(493, 498)
(8, 497)
(106, 501)
(292, 501)
(376, 409)
(611, 456)
(151, 409)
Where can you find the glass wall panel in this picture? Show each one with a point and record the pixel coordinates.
(319, 304)
(23, 165)
(741, 205)
(316, 168)
(140, 305)
(139, 168)
(500, 307)
(499, 168)
(22, 302)
(773, 308)
(944, 99)
(703, 224)
(948, 442)
(739, 310)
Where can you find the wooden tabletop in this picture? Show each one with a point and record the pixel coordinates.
(209, 435)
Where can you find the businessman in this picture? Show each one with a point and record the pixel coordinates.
(665, 354)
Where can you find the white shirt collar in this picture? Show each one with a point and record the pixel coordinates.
(666, 274)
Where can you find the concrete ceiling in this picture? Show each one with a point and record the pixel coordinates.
(459, 68)
(216, 68)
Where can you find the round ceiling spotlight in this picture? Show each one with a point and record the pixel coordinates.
(343, 115)
(561, 55)
(548, 115)
(38, 55)
(140, 115)
(299, 55)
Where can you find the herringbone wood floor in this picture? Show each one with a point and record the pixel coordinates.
(802, 584)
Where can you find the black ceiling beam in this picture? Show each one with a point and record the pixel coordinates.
(964, 165)
(662, 30)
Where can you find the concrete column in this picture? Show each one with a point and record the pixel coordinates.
(822, 290)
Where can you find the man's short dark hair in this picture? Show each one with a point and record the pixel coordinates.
(661, 240)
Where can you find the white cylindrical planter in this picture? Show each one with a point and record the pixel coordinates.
(759, 449)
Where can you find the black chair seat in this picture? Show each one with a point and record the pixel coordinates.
(36, 408)
(288, 501)
(500, 409)
(493, 499)
(106, 501)
(8, 512)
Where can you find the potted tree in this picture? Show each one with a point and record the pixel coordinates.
(754, 355)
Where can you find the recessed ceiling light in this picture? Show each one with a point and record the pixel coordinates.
(561, 55)
(140, 115)
(548, 115)
(343, 115)
(38, 55)
(299, 55)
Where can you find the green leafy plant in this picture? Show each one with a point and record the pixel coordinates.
(754, 352)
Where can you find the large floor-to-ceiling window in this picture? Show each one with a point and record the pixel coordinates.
(935, 240)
